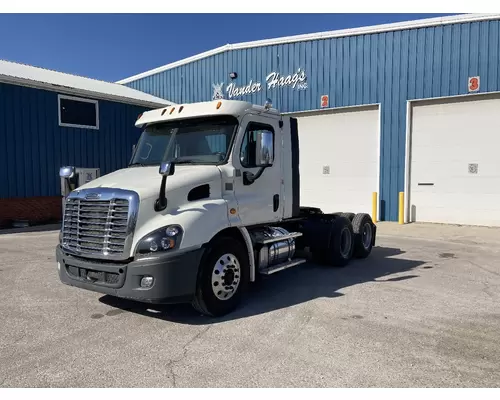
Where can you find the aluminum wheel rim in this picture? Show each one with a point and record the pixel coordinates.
(367, 236)
(345, 242)
(226, 276)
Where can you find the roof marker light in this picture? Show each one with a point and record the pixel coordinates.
(172, 110)
(181, 108)
(139, 117)
(219, 104)
(163, 112)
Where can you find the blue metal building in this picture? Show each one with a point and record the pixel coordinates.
(387, 66)
(49, 119)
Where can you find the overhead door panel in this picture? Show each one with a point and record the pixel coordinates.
(455, 162)
(339, 159)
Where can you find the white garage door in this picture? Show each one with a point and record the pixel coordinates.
(455, 161)
(339, 159)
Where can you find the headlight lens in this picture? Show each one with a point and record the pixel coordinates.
(166, 238)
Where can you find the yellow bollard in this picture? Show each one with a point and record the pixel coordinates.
(374, 206)
(401, 208)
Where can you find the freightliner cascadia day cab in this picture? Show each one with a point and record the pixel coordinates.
(209, 202)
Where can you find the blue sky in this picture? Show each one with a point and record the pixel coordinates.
(115, 46)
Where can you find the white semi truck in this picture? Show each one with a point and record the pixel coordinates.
(209, 201)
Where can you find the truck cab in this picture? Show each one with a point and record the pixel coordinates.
(209, 201)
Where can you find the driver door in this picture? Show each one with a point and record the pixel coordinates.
(260, 200)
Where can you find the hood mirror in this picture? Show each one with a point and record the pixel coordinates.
(67, 172)
(167, 168)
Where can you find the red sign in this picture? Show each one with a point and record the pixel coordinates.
(473, 83)
(324, 101)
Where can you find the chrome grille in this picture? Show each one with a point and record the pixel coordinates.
(96, 227)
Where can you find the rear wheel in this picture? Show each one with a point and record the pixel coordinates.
(363, 235)
(349, 215)
(340, 246)
(223, 278)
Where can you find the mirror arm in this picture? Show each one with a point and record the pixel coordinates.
(161, 201)
(249, 178)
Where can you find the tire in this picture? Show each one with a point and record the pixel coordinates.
(363, 228)
(340, 246)
(222, 253)
(349, 215)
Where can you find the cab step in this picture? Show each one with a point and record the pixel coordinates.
(282, 266)
(291, 235)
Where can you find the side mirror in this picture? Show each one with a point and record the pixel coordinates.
(69, 180)
(264, 152)
(67, 172)
(167, 168)
(264, 156)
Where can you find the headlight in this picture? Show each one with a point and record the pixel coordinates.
(166, 238)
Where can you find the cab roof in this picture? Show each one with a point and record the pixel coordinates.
(201, 109)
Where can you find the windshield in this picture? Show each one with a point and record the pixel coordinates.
(195, 141)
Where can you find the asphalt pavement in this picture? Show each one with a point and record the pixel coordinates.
(421, 311)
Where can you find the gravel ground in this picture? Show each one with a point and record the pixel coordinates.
(421, 311)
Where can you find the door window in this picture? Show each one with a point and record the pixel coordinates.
(249, 145)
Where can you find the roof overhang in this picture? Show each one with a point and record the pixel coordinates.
(422, 23)
(13, 80)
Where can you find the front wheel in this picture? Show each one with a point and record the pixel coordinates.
(223, 278)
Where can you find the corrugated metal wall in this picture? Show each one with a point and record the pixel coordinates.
(388, 68)
(33, 146)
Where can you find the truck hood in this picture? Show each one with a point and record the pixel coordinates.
(146, 180)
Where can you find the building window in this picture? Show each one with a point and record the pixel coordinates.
(75, 112)
(249, 146)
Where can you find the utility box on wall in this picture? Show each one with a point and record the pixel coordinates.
(86, 175)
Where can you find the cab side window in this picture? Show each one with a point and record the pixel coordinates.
(249, 145)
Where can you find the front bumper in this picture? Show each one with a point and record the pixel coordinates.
(174, 276)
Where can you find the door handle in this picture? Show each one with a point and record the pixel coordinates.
(276, 202)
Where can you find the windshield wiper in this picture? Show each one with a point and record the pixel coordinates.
(183, 161)
(188, 161)
(139, 164)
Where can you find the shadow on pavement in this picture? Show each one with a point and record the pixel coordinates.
(287, 288)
